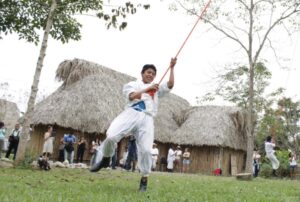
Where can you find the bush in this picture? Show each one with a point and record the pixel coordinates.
(29, 158)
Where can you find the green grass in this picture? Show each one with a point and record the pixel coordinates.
(81, 185)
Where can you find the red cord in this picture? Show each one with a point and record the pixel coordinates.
(152, 92)
(200, 17)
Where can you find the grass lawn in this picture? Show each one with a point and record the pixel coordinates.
(110, 185)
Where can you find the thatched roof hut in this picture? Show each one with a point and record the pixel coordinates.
(213, 126)
(215, 136)
(9, 114)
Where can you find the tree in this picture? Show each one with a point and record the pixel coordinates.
(232, 86)
(54, 17)
(250, 24)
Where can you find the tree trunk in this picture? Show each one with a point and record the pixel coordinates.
(249, 130)
(34, 88)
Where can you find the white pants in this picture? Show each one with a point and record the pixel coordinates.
(274, 161)
(142, 127)
(154, 161)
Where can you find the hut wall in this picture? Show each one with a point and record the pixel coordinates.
(37, 141)
(206, 159)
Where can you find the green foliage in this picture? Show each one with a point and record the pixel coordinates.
(81, 185)
(283, 170)
(27, 17)
(29, 158)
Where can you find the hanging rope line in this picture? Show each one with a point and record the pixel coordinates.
(199, 18)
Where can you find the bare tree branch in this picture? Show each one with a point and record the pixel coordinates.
(278, 21)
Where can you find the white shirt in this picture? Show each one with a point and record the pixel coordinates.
(154, 153)
(269, 147)
(178, 154)
(171, 155)
(151, 104)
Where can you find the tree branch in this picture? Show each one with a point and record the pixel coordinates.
(279, 20)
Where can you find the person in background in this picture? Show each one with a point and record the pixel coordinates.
(155, 154)
(14, 141)
(81, 149)
(48, 144)
(2, 138)
(94, 146)
(186, 160)
(124, 157)
(293, 164)
(256, 158)
(69, 141)
(114, 159)
(270, 153)
(61, 150)
(177, 162)
(171, 159)
(132, 154)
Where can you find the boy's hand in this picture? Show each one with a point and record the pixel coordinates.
(153, 87)
(173, 62)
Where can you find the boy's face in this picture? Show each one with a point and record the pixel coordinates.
(148, 76)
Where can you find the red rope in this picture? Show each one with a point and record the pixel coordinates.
(200, 17)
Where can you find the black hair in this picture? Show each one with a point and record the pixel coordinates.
(1, 124)
(148, 66)
(268, 139)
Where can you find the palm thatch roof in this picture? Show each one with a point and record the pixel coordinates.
(213, 125)
(9, 113)
(91, 97)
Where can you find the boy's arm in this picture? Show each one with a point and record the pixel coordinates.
(171, 77)
(138, 94)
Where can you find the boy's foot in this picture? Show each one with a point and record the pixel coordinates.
(104, 163)
(143, 184)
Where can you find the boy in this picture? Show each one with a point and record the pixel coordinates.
(269, 148)
(138, 119)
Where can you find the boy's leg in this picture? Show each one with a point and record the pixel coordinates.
(118, 129)
(144, 142)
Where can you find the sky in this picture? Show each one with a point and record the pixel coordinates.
(152, 36)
